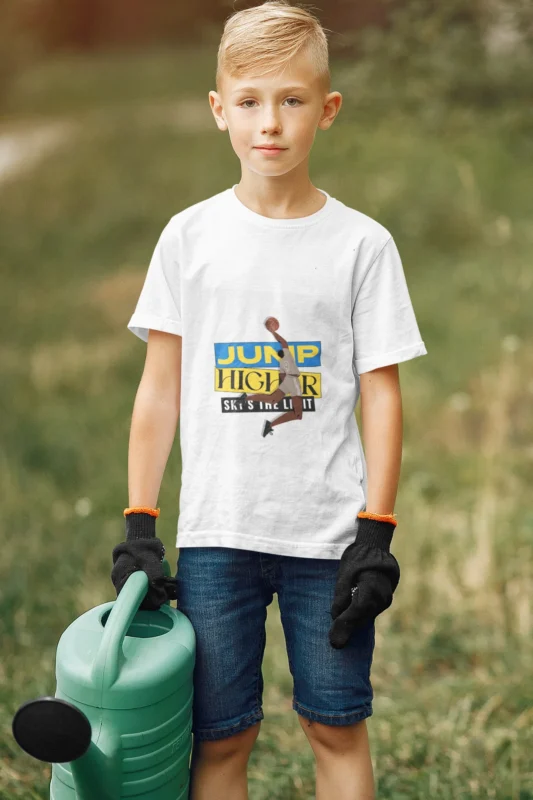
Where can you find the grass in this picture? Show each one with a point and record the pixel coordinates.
(453, 705)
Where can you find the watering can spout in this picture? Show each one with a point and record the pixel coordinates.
(58, 732)
(98, 773)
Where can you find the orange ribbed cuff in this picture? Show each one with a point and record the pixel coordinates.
(154, 512)
(380, 517)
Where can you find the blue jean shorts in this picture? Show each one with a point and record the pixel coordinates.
(225, 592)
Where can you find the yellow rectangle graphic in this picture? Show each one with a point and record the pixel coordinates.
(264, 381)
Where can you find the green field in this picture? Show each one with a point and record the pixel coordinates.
(453, 664)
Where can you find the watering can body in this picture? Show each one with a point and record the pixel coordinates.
(130, 673)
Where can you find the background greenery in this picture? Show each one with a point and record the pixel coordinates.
(434, 140)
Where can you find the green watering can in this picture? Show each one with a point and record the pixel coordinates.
(120, 724)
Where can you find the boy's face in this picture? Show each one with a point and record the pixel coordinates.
(283, 109)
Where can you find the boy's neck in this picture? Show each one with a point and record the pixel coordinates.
(278, 205)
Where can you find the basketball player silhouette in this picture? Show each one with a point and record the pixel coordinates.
(289, 383)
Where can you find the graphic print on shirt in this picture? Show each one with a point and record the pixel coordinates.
(239, 368)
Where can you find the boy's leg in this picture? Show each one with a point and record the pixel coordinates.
(228, 681)
(331, 684)
(343, 762)
(219, 769)
(267, 398)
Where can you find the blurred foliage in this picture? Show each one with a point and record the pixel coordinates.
(436, 57)
(71, 84)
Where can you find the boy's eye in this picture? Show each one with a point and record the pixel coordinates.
(253, 101)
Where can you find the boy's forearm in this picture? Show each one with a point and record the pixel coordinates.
(153, 429)
(381, 417)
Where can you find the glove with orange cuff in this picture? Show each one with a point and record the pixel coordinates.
(367, 578)
(142, 550)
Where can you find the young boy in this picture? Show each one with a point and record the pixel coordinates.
(299, 512)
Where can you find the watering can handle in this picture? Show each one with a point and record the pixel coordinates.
(167, 571)
(106, 665)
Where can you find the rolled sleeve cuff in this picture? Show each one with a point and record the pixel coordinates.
(393, 357)
(140, 324)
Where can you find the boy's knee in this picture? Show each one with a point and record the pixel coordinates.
(238, 745)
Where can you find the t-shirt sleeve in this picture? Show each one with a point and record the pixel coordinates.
(159, 304)
(384, 325)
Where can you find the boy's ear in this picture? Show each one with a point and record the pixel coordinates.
(218, 111)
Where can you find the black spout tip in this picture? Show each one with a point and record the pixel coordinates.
(52, 730)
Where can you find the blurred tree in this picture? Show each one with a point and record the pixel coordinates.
(435, 56)
(16, 45)
(92, 24)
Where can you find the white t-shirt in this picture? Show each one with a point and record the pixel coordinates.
(335, 283)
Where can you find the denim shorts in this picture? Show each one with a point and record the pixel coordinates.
(225, 592)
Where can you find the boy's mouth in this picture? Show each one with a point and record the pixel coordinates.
(270, 149)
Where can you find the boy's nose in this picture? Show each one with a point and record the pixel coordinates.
(270, 122)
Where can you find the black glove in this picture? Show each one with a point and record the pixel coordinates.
(367, 578)
(142, 550)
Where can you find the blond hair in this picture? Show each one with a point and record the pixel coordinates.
(264, 38)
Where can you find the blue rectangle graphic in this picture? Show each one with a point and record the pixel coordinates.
(265, 354)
